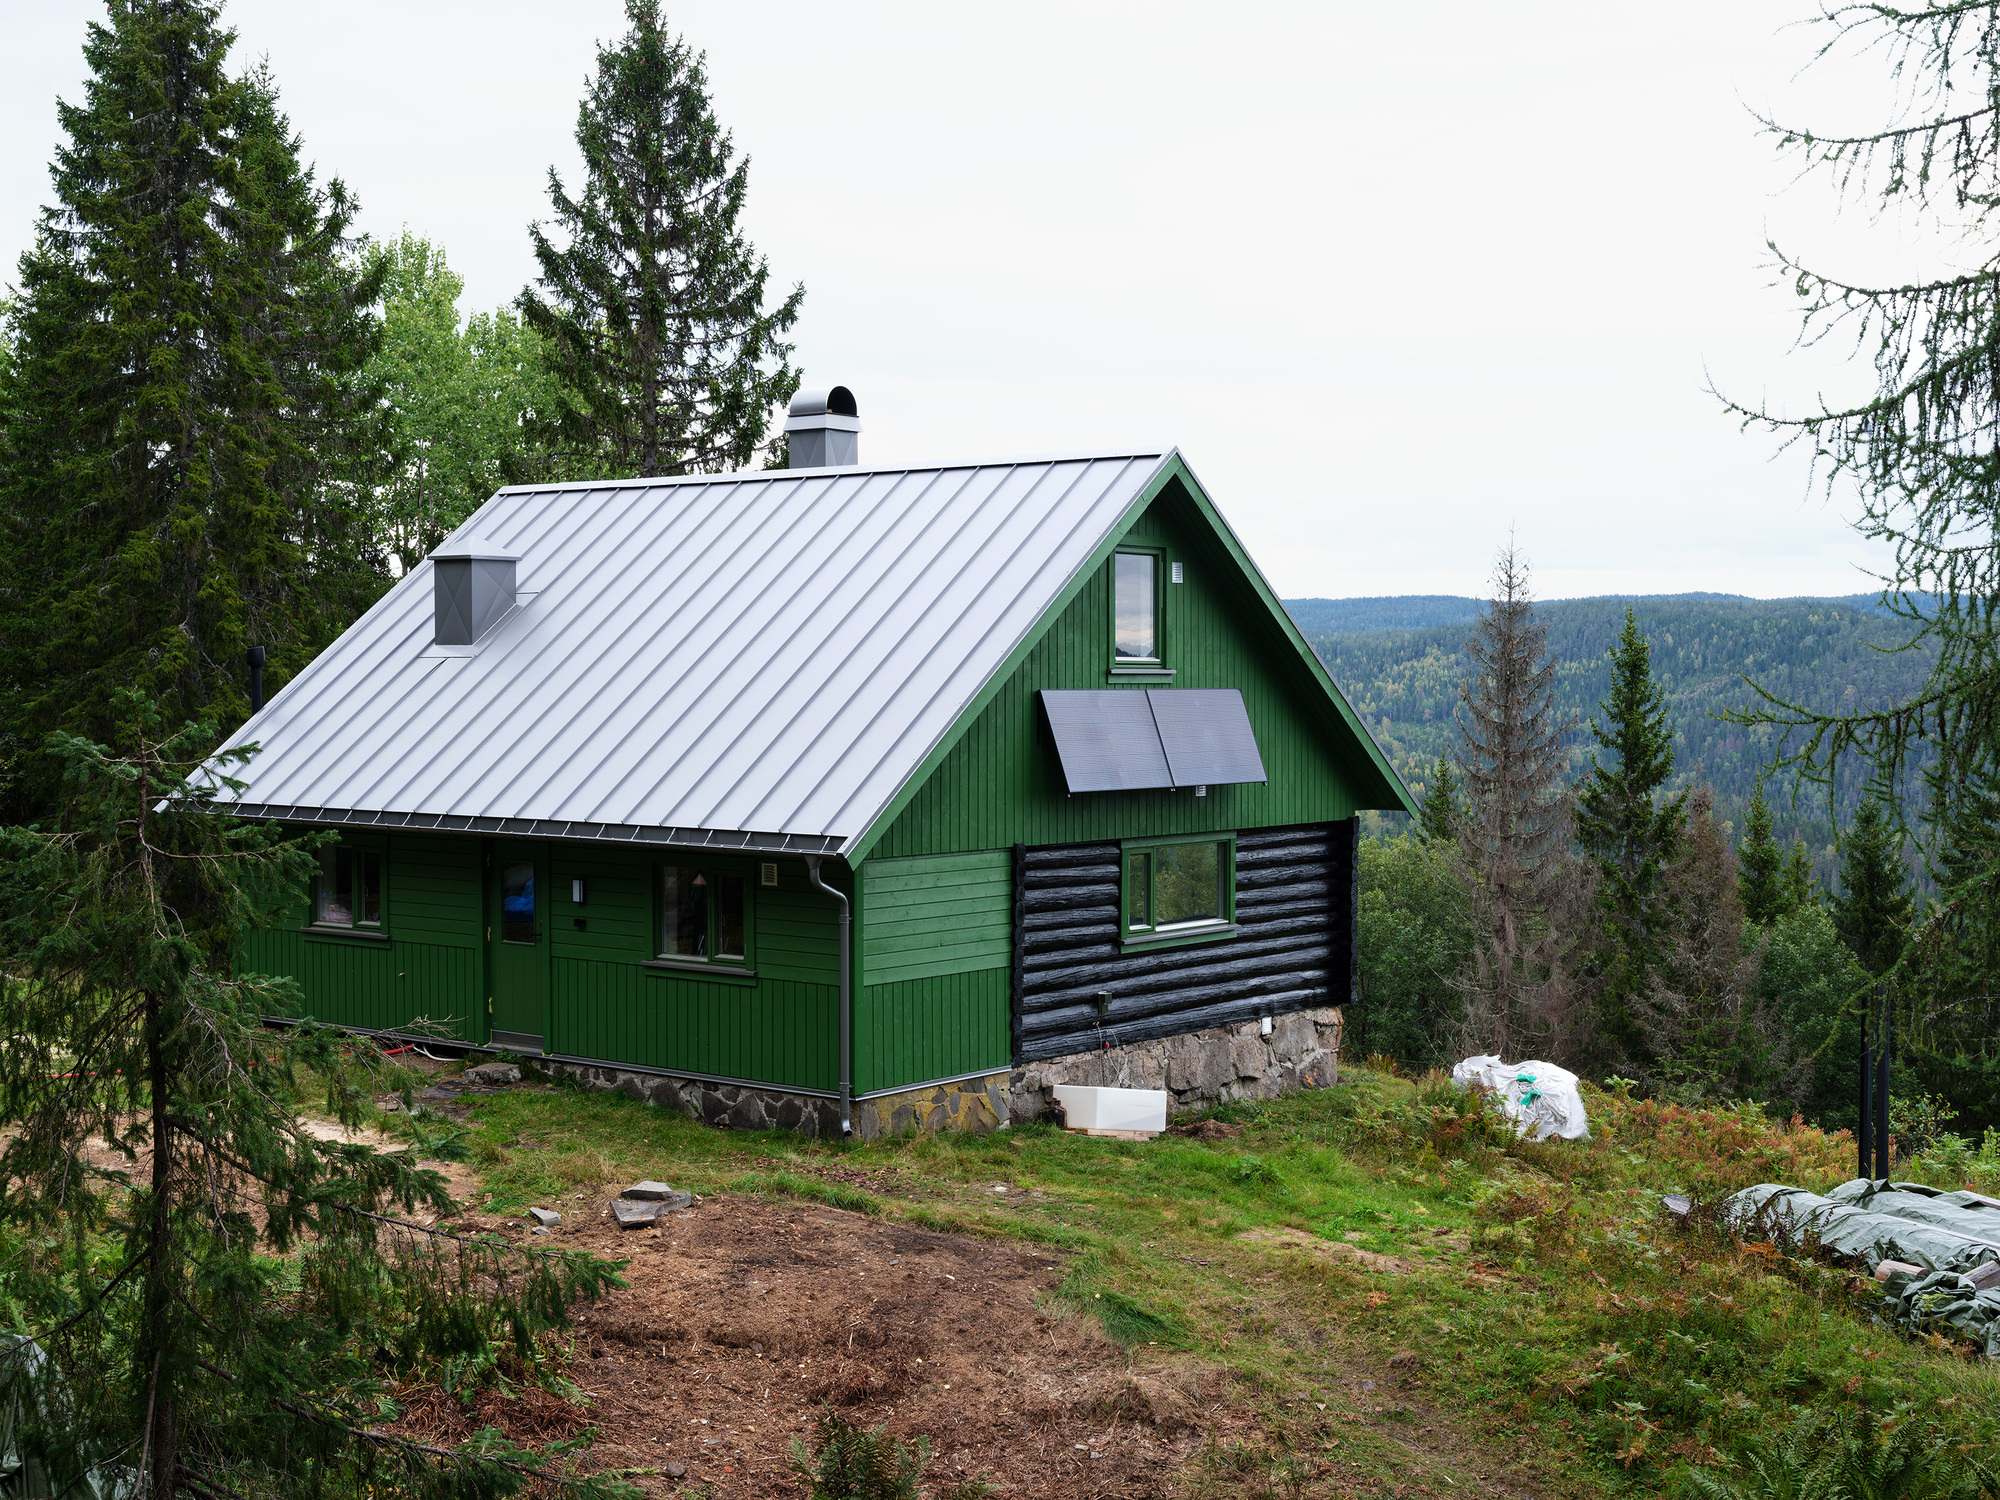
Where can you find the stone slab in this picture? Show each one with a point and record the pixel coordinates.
(548, 1218)
(493, 1074)
(633, 1213)
(650, 1191)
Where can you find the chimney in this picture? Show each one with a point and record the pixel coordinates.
(822, 430)
(472, 584)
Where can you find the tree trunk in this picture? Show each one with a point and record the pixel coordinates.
(161, 1434)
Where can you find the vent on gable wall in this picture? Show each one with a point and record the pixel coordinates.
(472, 585)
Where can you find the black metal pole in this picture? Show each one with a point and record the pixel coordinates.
(255, 656)
(1883, 1042)
(1864, 1131)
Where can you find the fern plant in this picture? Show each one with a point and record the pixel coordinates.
(1861, 1458)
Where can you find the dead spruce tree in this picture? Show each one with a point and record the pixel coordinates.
(1514, 840)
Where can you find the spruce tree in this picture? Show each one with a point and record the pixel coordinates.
(1516, 834)
(1872, 911)
(1631, 836)
(652, 309)
(228, 1306)
(1760, 865)
(184, 441)
(1442, 812)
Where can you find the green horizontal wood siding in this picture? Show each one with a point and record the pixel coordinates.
(936, 915)
(919, 1029)
(1001, 784)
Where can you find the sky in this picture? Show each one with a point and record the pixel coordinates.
(1400, 282)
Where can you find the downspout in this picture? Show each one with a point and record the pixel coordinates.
(846, 1000)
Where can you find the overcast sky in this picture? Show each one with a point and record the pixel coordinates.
(1395, 279)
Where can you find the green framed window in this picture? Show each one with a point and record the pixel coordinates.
(1135, 607)
(704, 914)
(348, 888)
(1180, 889)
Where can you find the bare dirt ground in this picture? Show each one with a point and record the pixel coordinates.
(745, 1319)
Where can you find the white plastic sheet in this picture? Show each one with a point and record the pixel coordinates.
(1539, 1097)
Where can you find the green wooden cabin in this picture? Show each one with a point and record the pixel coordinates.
(610, 765)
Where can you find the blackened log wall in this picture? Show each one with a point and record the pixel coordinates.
(1293, 948)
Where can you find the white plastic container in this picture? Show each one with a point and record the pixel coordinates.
(1088, 1108)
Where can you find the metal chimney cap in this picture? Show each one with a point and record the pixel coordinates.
(475, 549)
(837, 402)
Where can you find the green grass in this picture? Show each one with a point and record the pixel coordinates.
(1553, 1308)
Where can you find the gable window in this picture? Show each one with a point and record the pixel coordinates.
(703, 915)
(348, 889)
(1178, 889)
(1135, 607)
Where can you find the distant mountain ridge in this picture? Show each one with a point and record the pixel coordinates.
(1427, 611)
(1404, 680)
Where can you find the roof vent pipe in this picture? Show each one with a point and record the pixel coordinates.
(472, 584)
(823, 430)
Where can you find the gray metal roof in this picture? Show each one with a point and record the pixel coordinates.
(754, 660)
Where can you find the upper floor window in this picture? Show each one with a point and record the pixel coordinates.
(348, 890)
(703, 914)
(1135, 606)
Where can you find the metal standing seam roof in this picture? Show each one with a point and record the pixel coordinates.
(752, 660)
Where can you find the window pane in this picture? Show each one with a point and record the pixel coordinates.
(1136, 598)
(335, 904)
(683, 912)
(1137, 881)
(517, 902)
(1187, 883)
(371, 888)
(728, 917)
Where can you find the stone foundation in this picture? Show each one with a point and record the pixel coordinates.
(1215, 1066)
(975, 1104)
(731, 1105)
(1204, 1067)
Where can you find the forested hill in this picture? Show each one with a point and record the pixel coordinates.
(1401, 662)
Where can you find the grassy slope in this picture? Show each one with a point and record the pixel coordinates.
(1552, 1310)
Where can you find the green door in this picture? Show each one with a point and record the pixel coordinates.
(520, 947)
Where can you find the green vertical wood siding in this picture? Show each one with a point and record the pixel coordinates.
(935, 915)
(779, 1028)
(1001, 784)
(773, 1031)
(920, 1029)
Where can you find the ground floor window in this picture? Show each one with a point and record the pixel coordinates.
(1178, 887)
(348, 890)
(703, 914)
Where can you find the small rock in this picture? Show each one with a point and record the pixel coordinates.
(1403, 1359)
(541, 1229)
(676, 1471)
(658, 1192)
(637, 1214)
(548, 1218)
(493, 1074)
(392, 1105)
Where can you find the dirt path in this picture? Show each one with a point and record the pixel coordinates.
(744, 1319)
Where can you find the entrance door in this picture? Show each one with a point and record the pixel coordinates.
(520, 953)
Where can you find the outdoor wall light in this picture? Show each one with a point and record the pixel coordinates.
(576, 892)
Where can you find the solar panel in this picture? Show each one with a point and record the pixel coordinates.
(1106, 739)
(1121, 740)
(1207, 736)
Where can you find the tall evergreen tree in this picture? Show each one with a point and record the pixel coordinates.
(1631, 834)
(653, 308)
(1516, 834)
(1442, 812)
(1760, 865)
(179, 461)
(1872, 911)
(229, 1304)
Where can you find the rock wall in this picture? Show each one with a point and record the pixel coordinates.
(1200, 1068)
